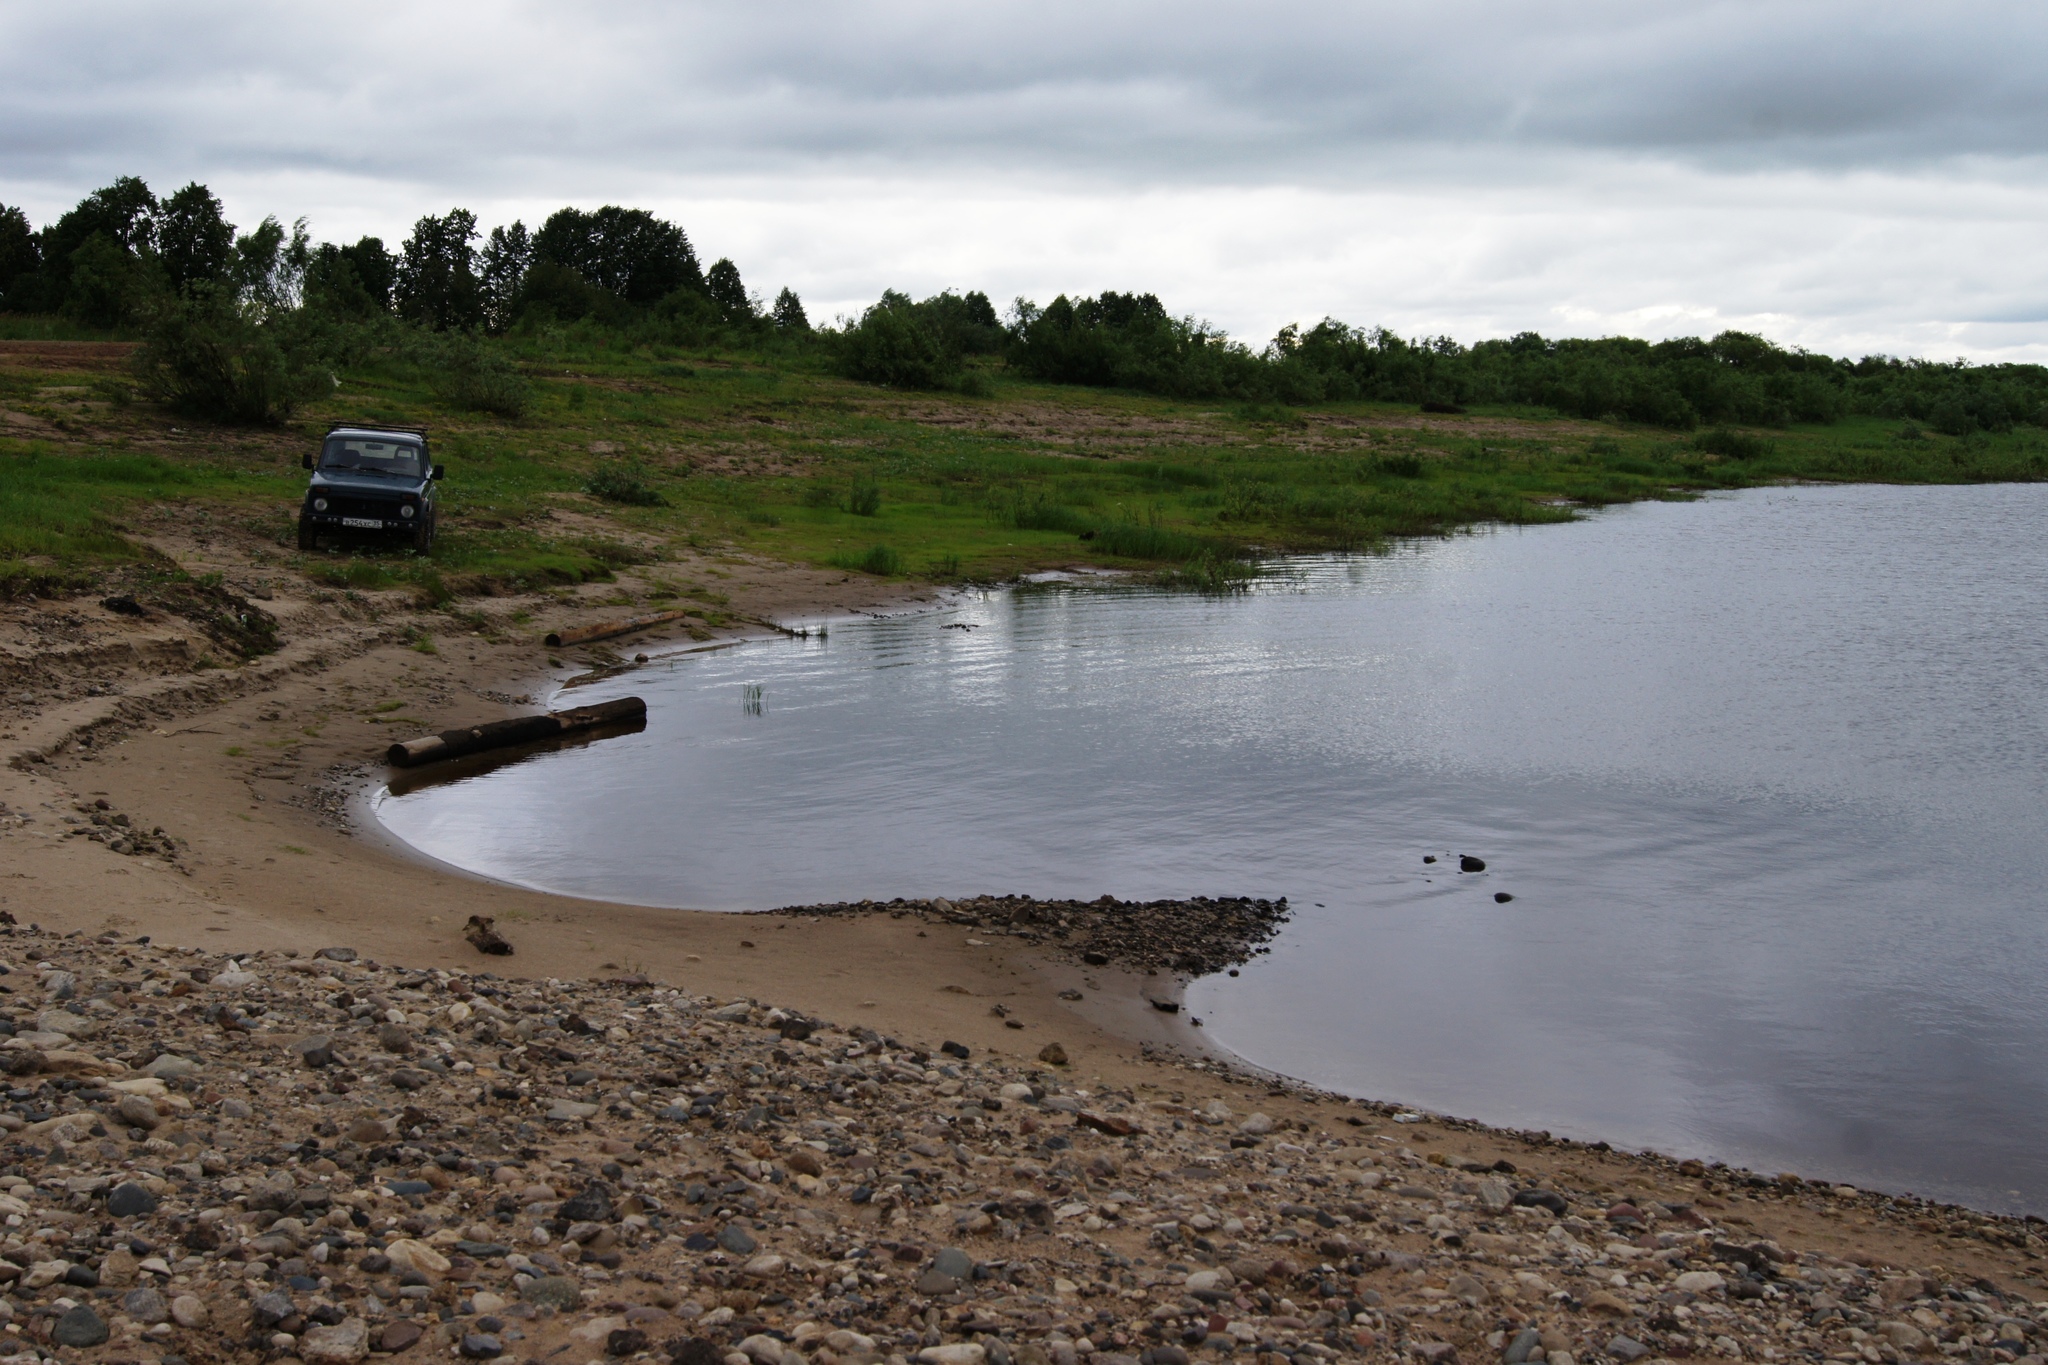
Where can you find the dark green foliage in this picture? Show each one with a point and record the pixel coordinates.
(1130, 341)
(723, 284)
(788, 314)
(479, 378)
(892, 345)
(20, 258)
(1130, 540)
(552, 292)
(269, 268)
(194, 240)
(865, 498)
(208, 355)
(352, 281)
(107, 286)
(508, 254)
(964, 324)
(628, 252)
(879, 560)
(623, 484)
(1037, 511)
(437, 284)
(1721, 441)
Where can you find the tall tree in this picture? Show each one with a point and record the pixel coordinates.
(270, 268)
(437, 284)
(19, 259)
(789, 313)
(508, 253)
(632, 253)
(723, 283)
(194, 240)
(123, 216)
(353, 279)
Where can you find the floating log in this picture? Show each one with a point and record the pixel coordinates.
(499, 734)
(605, 630)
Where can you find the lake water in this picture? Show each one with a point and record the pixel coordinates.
(1764, 774)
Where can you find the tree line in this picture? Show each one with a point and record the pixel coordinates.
(243, 325)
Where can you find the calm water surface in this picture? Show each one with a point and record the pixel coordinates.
(1764, 774)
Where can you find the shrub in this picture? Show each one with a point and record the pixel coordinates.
(865, 500)
(1733, 444)
(480, 380)
(890, 345)
(623, 484)
(879, 560)
(206, 356)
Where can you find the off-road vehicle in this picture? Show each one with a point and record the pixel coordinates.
(371, 481)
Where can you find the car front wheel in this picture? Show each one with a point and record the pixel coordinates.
(309, 538)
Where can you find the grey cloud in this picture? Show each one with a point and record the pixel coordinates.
(1151, 91)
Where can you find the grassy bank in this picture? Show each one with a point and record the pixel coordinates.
(625, 455)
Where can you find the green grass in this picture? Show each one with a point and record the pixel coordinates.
(755, 454)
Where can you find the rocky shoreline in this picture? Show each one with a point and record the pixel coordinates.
(251, 1157)
(1191, 937)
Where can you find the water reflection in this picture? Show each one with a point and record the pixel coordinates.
(1763, 773)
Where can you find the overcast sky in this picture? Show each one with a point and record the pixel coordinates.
(1849, 177)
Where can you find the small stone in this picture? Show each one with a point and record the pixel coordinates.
(484, 1346)
(737, 1240)
(271, 1308)
(344, 1343)
(409, 1254)
(1526, 1340)
(804, 1161)
(567, 1110)
(1495, 1195)
(337, 954)
(1600, 1301)
(553, 1291)
(188, 1311)
(956, 1353)
(394, 1038)
(234, 979)
(1626, 1348)
(130, 1199)
(625, 1341)
(592, 1205)
(1052, 1054)
(1699, 1281)
(955, 1262)
(1468, 863)
(399, 1336)
(369, 1132)
(79, 1326)
(146, 1306)
(1256, 1126)
(169, 1067)
(412, 1078)
(933, 1283)
(236, 1109)
(766, 1266)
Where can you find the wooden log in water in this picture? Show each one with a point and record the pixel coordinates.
(605, 630)
(499, 734)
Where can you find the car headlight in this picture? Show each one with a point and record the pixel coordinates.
(319, 504)
(405, 511)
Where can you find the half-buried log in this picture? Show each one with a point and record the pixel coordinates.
(605, 630)
(499, 734)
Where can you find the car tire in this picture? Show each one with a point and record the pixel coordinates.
(309, 538)
(423, 538)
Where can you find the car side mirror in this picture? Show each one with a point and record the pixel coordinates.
(439, 470)
(305, 461)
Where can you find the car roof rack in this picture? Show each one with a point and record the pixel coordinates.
(420, 432)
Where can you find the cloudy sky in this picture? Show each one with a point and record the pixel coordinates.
(1849, 177)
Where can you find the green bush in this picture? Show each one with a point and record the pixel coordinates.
(1733, 444)
(865, 500)
(478, 379)
(879, 560)
(208, 356)
(623, 484)
(891, 345)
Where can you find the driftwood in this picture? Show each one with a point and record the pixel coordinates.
(605, 630)
(498, 734)
(483, 935)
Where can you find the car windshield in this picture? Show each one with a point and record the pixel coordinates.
(367, 453)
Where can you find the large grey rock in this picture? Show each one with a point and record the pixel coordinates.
(737, 1240)
(553, 1291)
(146, 1306)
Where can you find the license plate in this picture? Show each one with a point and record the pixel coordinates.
(366, 523)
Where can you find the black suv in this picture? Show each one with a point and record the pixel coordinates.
(374, 481)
